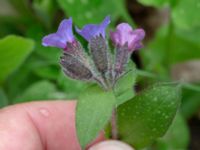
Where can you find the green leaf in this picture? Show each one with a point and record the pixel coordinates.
(85, 11)
(156, 3)
(22, 7)
(155, 54)
(73, 88)
(177, 137)
(3, 99)
(182, 49)
(148, 115)
(169, 48)
(47, 54)
(14, 50)
(192, 34)
(42, 90)
(22, 77)
(191, 102)
(94, 109)
(186, 14)
(127, 95)
(48, 71)
(44, 9)
(124, 87)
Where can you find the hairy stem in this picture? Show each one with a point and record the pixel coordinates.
(114, 131)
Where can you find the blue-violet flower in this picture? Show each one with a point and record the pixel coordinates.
(125, 34)
(92, 30)
(61, 37)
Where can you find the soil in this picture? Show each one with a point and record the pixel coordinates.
(194, 124)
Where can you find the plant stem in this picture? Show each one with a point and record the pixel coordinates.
(114, 131)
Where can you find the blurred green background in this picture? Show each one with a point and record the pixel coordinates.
(30, 72)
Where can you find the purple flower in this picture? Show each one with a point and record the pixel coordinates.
(91, 30)
(125, 34)
(61, 37)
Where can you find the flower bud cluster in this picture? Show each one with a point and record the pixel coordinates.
(99, 64)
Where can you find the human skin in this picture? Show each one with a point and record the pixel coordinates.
(46, 125)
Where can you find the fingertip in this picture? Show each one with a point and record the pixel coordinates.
(51, 122)
(111, 145)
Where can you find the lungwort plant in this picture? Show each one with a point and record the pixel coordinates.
(138, 119)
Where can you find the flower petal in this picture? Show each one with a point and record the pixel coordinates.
(65, 30)
(125, 34)
(53, 40)
(137, 36)
(125, 31)
(92, 30)
(115, 37)
(61, 37)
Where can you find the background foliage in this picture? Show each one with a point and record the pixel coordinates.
(29, 71)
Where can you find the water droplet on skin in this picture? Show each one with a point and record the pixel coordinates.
(44, 112)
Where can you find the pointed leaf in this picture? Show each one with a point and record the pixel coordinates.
(93, 11)
(148, 115)
(94, 109)
(172, 140)
(124, 87)
(13, 50)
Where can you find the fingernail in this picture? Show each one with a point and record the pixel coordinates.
(111, 145)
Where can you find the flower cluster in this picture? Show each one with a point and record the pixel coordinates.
(98, 65)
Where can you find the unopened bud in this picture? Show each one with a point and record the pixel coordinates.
(121, 59)
(99, 52)
(75, 68)
(76, 50)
